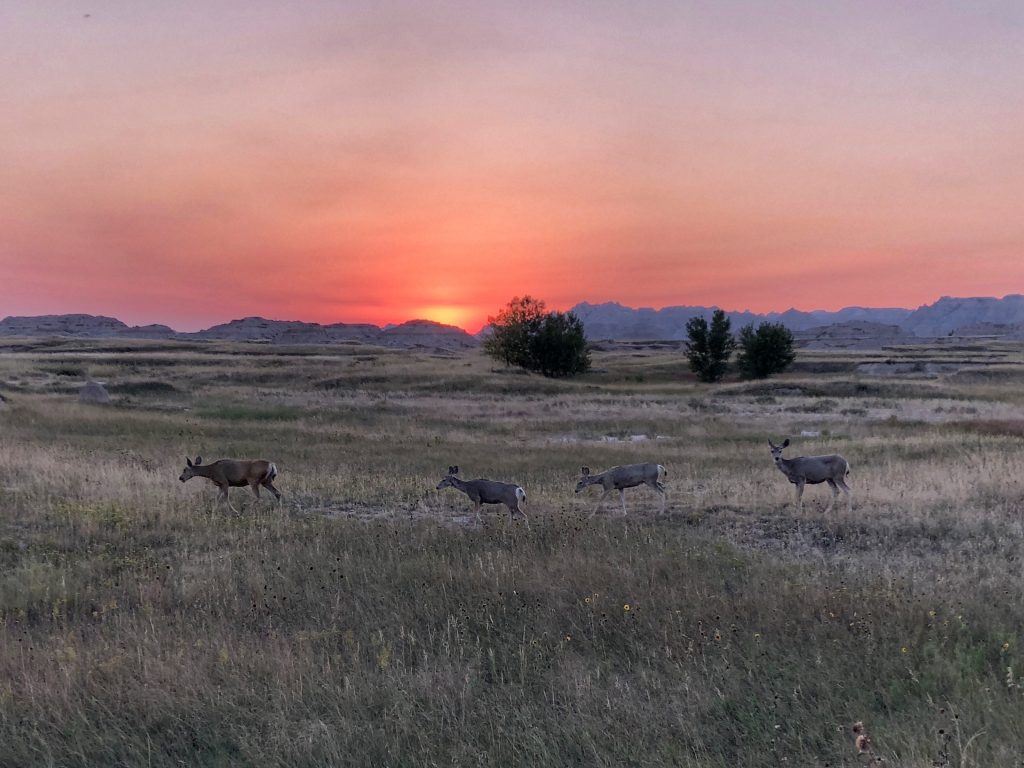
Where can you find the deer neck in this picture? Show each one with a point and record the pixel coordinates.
(786, 465)
(206, 470)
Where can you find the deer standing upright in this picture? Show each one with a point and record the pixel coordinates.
(231, 473)
(801, 470)
(482, 491)
(620, 478)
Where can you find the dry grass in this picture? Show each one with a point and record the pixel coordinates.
(367, 622)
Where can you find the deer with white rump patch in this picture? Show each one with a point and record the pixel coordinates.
(831, 469)
(620, 478)
(229, 473)
(483, 491)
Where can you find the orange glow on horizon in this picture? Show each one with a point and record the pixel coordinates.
(193, 163)
(461, 317)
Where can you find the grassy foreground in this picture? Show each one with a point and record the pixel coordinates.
(365, 622)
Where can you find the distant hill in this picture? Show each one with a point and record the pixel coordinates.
(79, 325)
(998, 318)
(288, 331)
(854, 334)
(857, 327)
(949, 315)
(427, 333)
(415, 333)
(615, 321)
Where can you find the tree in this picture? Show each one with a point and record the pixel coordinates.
(551, 343)
(708, 350)
(558, 346)
(509, 340)
(765, 351)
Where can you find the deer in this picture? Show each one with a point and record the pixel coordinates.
(832, 469)
(483, 491)
(620, 478)
(230, 473)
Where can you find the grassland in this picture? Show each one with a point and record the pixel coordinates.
(369, 621)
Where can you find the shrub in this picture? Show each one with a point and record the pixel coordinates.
(550, 343)
(709, 349)
(509, 339)
(764, 351)
(558, 346)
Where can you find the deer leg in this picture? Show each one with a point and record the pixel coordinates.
(270, 487)
(598, 505)
(660, 488)
(799, 496)
(622, 498)
(255, 488)
(835, 492)
(223, 496)
(846, 489)
(478, 513)
(512, 515)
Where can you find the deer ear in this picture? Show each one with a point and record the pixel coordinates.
(199, 460)
(785, 442)
(585, 471)
(455, 469)
(188, 461)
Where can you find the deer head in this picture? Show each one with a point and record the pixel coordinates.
(777, 450)
(189, 471)
(585, 479)
(447, 481)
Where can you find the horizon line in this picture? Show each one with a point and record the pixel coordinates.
(388, 325)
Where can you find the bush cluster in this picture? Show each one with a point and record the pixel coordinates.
(763, 351)
(524, 334)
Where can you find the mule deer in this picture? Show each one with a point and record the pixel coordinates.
(483, 491)
(229, 473)
(620, 478)
(831, 469)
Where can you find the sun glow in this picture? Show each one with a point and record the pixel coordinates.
(448, 314)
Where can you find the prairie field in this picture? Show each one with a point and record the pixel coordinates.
(370, 620)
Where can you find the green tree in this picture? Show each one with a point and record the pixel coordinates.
(764, 351)
(511, 330)
(558, 346)
(709, 349)
(525, 335)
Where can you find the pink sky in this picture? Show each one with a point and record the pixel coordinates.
(194, 162)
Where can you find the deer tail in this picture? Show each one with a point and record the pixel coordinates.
(271, 472)
(521, 495)
(662, 472)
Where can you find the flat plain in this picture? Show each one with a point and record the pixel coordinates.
(368, 620)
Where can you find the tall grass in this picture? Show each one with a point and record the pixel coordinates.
(359, 624)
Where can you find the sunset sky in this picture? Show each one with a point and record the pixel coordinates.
(192, 162)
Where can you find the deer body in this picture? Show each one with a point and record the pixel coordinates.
(803, 470)
(483, 491)
(626, 476)
(232, 473)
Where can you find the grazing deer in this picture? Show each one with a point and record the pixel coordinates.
(488, 492)
(229, 473)
(620, 478)
(831, 469)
